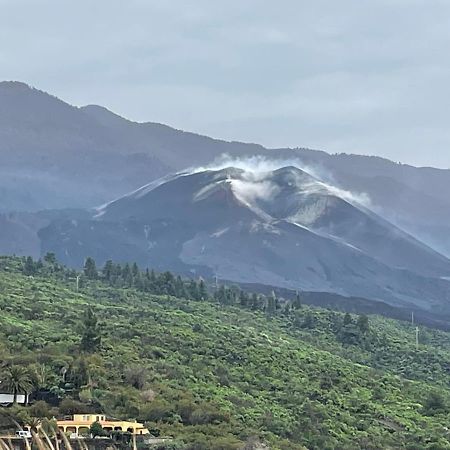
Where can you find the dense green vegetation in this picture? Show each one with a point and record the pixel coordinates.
(218, 371)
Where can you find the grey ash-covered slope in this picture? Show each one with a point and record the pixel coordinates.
(282, 228)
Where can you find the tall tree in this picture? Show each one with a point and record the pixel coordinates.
(271, 304)
(255, 303)
(138, 282)
(90, 269)
(193, 290)
(152, 276)
(203, 292)
(127, 276)
(297, 301)
(50, 258)
(363, 324)
(90, 337)
(243, 299)
(135, 270)
(29, 267)
(108, 271)
(221, 295)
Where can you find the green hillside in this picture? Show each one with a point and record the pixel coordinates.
(220, 374)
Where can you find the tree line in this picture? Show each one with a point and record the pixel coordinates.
(128, 275)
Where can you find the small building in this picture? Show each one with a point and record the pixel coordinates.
(80, 424)
(8, 399)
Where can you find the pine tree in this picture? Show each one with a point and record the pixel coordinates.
(179, 287)
(50, 258)
(118, 270)
(127, 276)
(221, 295)
(255, 302)
(363, 324)
(193, 290)
(108, 271)
(243, 299)
(203, 292)
(137, 281)
(90, 269)
(29, 267)
(287, 309)
(90, 336)
(168, 283)
(135, 270)
(271, 304)
(152, 276)
(277, 304)
(298, 301)
(228, 297)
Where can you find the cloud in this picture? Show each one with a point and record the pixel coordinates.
(361, 77)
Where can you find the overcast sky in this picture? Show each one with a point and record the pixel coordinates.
(356, 76)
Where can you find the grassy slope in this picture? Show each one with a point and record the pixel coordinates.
(293, 386)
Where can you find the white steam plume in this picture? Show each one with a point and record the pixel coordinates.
(253, 186)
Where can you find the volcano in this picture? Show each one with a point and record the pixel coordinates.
(283, 228)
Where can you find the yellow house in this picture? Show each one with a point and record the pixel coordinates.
(80, 424)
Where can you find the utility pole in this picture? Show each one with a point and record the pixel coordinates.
(417, 338)
(78, 282)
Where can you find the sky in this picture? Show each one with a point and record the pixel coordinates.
(355, 76)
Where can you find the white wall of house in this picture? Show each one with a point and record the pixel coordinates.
(9, 398)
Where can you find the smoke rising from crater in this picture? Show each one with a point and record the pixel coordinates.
(254, 183)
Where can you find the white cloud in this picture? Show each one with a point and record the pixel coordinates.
(362, 77)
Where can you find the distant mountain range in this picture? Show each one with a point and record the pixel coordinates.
(54, 155)
(354, 225)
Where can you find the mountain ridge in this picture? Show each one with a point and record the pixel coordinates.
(93, 154)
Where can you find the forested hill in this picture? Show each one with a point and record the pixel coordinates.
(218, 371)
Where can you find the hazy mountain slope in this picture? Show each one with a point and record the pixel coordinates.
(19, 232)
(54, 155)
(283, 228)
(175, 148)
(89, 155)
(16, 238)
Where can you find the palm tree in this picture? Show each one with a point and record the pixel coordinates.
(18, 380)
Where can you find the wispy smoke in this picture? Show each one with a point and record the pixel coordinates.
(254, 185)
(257, 164)
(360, 198)
(250, 190)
